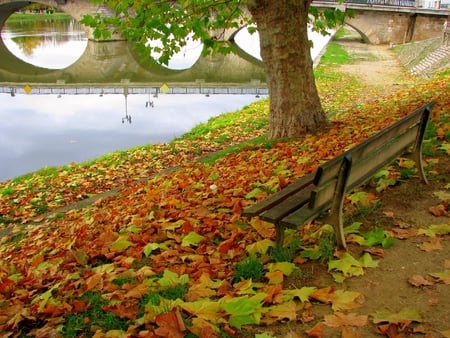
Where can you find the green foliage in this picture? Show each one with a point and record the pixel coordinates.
(121, 281)
(335, 54)
(285, 253)
(195, 20)
(76, 325)
(175, 292)
(378, 237)
(250, 268)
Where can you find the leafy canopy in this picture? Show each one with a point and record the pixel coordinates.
(173, 23)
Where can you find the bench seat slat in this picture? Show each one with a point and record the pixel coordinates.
(301, 216)
(330, 169)
(365, 168)
(289, 205)
(278, 197)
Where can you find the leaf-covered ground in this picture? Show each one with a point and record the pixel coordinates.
(168, 254)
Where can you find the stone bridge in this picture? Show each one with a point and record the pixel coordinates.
(377, 24)
(391, 24)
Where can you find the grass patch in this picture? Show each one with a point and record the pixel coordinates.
(261, 141)
(20, 17)
(81, 324)
(250, 268)
(335, 54)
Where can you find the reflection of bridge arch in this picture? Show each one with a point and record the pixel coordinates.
(77, 9)
(113, 62)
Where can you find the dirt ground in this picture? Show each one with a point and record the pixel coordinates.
(405, 206)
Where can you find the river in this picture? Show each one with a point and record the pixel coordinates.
(51, 130)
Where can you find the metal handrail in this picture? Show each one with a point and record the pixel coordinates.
(397, 3)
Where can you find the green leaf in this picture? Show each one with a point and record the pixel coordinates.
(171, 279)
(286, 267)
(302, 293)
(252, 194)
(121, 244)
(367, 261)
(192, 239)
(349, 266)
(405, 314)
(260, 247)
(244, 310)
(150, 247)
(352, 228)
(378, 237)
(105, 268)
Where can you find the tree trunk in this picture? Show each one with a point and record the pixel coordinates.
(295, 106)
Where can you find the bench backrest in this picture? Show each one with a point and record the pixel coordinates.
(370, 156)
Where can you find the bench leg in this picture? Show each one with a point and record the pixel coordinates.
(417, 151)
(279, 235)
(336, 218)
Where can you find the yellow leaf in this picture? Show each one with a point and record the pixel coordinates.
(275, 277)
(346, 300)
(205, 309)
(283, 311)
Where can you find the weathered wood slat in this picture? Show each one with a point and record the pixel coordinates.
(366, 167)
(330, 169)
(290, 204)
(278, 197)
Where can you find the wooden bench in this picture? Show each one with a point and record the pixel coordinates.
(325, 189)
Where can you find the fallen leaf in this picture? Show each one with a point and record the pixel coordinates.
(170, 325)
(339, 319)
(346, 300)
(433, 244)
(418, 280)
(323, 295)
(316, 331)
(439, 210)
(349, 333)
(443, 277)
(403, 315)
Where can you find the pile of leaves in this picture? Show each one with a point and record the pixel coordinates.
(171, 255)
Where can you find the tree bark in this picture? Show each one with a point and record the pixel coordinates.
(295, 106)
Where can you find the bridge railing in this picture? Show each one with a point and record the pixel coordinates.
(397, 3)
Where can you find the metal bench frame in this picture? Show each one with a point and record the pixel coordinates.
(315, 193)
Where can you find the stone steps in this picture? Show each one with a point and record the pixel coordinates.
(427, 65)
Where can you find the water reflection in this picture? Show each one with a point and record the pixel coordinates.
(44, 130)
(47, 43)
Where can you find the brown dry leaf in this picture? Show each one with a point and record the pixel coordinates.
(447, 264)
(324, 295)
(439, 210)
(418, 280)
(348, 333)
(402, 233)
(137, 292)
(339, 319)
(389, 214)
(316, 331)
(375, 251)
(434, 243)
